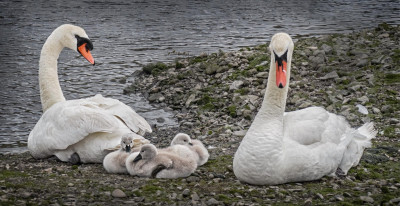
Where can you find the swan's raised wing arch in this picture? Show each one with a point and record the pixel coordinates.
(125, 113)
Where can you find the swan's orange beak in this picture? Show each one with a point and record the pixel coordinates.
(86, 53)
(281, 74)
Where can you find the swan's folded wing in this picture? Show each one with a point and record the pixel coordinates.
(67, 123)
(314, 125)
(126, 114)
(305, 126)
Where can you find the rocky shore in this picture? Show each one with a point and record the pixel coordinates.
(214, 98)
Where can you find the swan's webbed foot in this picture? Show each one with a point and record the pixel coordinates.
(339, 173)
(75, 159)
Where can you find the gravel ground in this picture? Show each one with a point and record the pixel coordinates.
(215, 97)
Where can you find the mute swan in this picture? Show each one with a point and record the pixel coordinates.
(82, 130)
(114, 162)
(302, 145)
(195, 146)
(158, 164)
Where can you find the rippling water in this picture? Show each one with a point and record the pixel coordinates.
(127, 34)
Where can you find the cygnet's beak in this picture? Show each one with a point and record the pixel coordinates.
(191, 144)
(128, 148)
(281, 66)
(137, 158)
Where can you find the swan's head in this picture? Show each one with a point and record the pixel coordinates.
(127, 142)
(75, 38)
(147, 152)
(182, 139)
(281, 48)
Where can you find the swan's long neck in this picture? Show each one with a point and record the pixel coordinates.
(50, 90)
(267, 126)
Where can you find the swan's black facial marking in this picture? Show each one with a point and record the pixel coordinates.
(280, 59)
(82, 40)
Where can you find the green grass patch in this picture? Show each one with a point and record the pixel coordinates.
(392, 78)
(154, 68)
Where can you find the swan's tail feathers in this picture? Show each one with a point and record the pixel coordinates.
(368, 131)
(361, 139)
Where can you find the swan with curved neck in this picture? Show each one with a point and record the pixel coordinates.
(296, 146)
(81, 130)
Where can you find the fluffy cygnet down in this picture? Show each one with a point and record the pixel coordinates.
(150, 162)
(200, 151)
(114, 162)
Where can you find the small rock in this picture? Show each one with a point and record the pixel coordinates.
(190, 100)
(236, 85)
(395, 200)
(240, 133)
(195, 197)
(367, 199)
(376, 110)
(186, 192)
(362, 109)
(363, 99)
(339, 197)
(262, 75)
(386, 109)
(192, 179)
(48, 170)
(331, 75)
(308, 201)
(212, 201)
(327, 49)
(173, 196)
(154, 97)
(26, 194)
(70, 184)
(346, 194)
(362, 63)
(319, 196)
(355, 87)
(118, 193)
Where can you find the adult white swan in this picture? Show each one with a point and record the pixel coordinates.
(296, 146)
(82, 130)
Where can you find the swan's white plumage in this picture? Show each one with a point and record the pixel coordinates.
(90, 127)
(296, 146)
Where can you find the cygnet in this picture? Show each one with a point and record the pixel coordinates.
(150, 162)
(114, 162)
(200, 151)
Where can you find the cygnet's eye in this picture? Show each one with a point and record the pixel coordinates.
(185, 140)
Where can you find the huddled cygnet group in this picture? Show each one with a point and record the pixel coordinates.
(180, 159)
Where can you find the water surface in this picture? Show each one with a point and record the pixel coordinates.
(128, 34)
